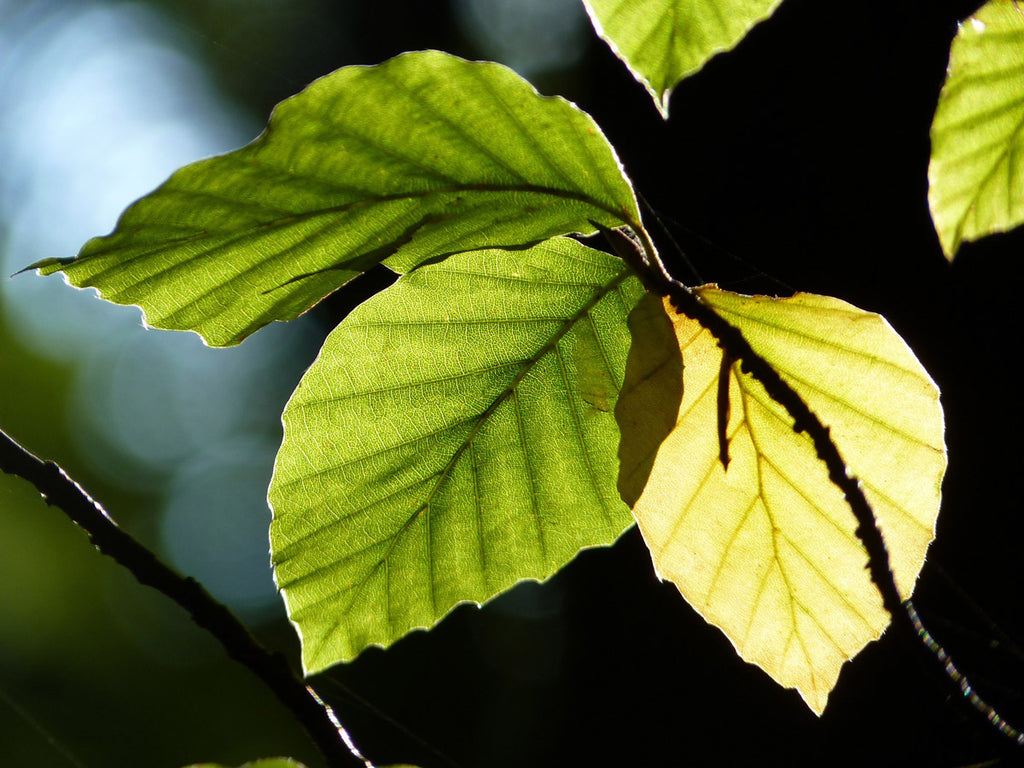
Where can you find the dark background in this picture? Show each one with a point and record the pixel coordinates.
(796, 162)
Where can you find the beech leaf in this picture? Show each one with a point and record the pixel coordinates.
(765, 549)
(400, 163)
(664, 41)
(976, 174)
(454, 436)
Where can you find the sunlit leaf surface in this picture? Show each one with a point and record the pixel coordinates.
(454, 436)
(766, 549)
(977, 166)
(418, 157)
(664, 41)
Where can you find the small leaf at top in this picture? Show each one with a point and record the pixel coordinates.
(976, 174)
(454, 436)
(763, 546)
(401, 163)
(664, 41)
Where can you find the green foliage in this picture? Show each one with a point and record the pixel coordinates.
(977, 162)
(493, 413)
(664, 41)
(454, 436)
(401, 163)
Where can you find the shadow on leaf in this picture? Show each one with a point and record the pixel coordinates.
(648, 405)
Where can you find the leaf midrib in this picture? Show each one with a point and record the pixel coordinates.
(305, 216)
(356, 589)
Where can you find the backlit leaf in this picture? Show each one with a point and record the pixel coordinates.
(664, 41)
(454, 436)
(766, 549)
(400, 163)
(976, 173)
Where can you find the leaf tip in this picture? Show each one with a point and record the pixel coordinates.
(46, 266)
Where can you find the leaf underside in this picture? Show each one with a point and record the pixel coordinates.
(454, 436)
(400, 163)
(766, 548)
(664, 41)
(976, 174)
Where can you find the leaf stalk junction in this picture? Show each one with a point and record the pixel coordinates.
(637, 249)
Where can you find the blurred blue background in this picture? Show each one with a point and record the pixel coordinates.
(99, 103)
(798, 160)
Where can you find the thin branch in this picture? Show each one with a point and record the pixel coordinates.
(60, 491)
(639, 252)
(39, 728)
(1002, 639)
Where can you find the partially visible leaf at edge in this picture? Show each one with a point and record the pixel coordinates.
(976, 174)
(664, 41)
(444, 444)
(766, 550)
(399, 163)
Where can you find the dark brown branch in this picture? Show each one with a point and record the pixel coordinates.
(724, 375)
(60, 491)
(639, 252)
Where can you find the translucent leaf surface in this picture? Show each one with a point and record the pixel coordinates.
(663, 41)
(454, 436)
(766, 549)
(418, 157)
(977, 166)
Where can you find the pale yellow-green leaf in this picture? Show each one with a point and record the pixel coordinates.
(766, 549)
(664, 41)
(976, 175)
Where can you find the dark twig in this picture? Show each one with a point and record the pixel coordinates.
(60, 491)
(639, 252)
(724, 376)
(1001, 640)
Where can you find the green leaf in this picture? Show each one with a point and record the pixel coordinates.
(454, 436)
(976, 174)
(401, 163)
(664, 41)
(765, 549)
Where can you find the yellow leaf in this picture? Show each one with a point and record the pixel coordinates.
(765, 549)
